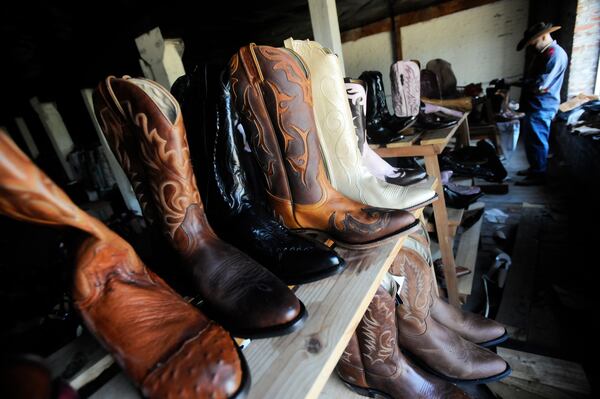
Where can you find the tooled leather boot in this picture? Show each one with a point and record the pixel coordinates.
(432, 345)
(471, 326)
(402, 176)
(373, 365)
(238, 292)
(164, 344)
(337, 136)
(382, 127)
(272, 93)
(235, 199)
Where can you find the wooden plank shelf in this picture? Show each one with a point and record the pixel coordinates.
(454, 219)
(335, 306)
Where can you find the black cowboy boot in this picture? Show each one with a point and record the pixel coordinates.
(382, 127)
(408, 170)
(236, 209)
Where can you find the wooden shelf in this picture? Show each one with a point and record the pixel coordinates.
(454, 219)
(335, 306)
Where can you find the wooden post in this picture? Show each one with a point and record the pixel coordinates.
(160, 59)
(326, 28)
(26, 134)
(57, 132)
(121, 178)
(463, 138)
(441, 227)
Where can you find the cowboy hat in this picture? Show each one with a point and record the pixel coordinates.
(535, 31)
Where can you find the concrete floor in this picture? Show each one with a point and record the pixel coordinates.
(558, 310)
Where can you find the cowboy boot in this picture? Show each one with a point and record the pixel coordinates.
(338, 138)
(242, 295)
(272, 93)
(432, 345)
(406, 88)
(373, 365)
(471, 326)
(382, 127)
(237, 201)
(165, 345)
(402, 176)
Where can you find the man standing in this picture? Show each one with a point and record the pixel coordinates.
(541, 97)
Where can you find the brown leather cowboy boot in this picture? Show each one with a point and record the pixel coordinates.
(238, 292)
(471, 326)
(165, 345)
(372, 364)
(432, 345)
(272, 92)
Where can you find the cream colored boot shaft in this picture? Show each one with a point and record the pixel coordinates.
(339, 143)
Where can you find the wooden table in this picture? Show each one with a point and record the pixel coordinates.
(429, 145)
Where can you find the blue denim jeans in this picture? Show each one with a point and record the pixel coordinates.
(536, 131)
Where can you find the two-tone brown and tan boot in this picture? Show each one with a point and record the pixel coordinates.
(273, 95)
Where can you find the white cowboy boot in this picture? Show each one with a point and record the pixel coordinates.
(338, 140)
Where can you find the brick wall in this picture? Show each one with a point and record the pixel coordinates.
(586, 48)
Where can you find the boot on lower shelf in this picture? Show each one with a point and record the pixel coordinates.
(165, 345)
(435, 347)
(272, 92)
(471, 326)
(237, 291)
(373, 365)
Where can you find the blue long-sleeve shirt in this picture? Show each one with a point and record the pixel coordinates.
(544, 79)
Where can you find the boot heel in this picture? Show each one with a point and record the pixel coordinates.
(371, 393)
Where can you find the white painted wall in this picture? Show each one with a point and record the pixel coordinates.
(371, 53)
(480, 43)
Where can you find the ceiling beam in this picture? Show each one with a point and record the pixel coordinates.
(413, 17)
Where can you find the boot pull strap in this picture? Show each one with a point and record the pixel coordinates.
(27, 194)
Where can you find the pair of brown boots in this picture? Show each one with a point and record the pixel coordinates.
(434, 336)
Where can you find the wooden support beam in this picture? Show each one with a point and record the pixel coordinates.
(26, 134)
(325, 25)
(160, 59)
(57, 132)
(413, 17)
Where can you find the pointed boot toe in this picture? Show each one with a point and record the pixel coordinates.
(471, 326)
